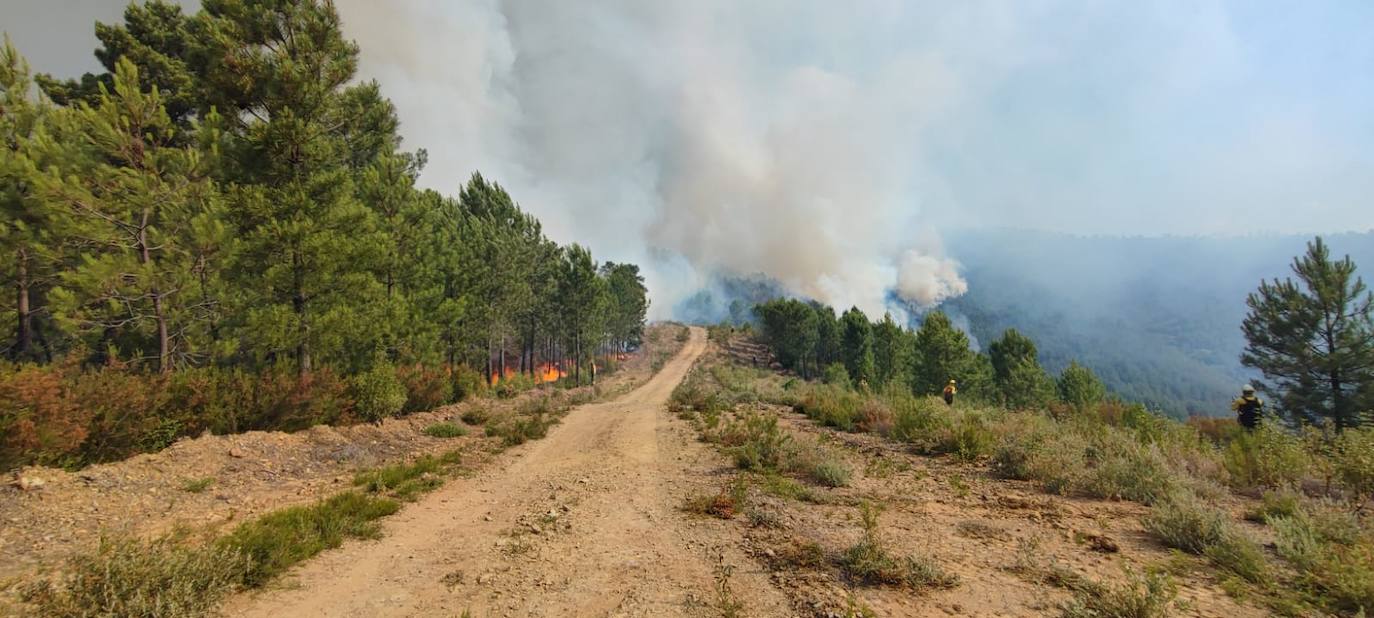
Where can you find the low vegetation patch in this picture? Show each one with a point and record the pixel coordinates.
(869, 561)
(124, 576)
(1139, 596)
(195, 486)
(1185, 523)
(278, 540)
(445, 430)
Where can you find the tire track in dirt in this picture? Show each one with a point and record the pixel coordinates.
(582, 523)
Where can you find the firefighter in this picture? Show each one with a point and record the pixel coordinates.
(950, 390)
(1248, 407)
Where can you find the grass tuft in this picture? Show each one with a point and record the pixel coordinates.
(445, 430)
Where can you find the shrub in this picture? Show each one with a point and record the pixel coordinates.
(875, 416)
(1130, 471)
(426, 388)
(467, 383)
(915, 420)
(445, 430)
(39, 422)
(1183, 522)
(476, 416)
(760, 443)
(869, 562)
(377, 393)
(1353, 462)
(1264, 458)
(127, 577)
(967, 437)
(195, 486)
(1335, 563)
(1276, 503)
(513, 385)
(832, 406)
(831, 472)
(836, 375)
(278, 540)
(1140, 596)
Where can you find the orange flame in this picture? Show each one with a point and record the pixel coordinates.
(546, 372)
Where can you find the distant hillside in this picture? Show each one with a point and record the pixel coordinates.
(1157, 318)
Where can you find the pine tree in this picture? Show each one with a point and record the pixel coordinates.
(1313, 339)
(891, 348)
(1078, 386)
(158, 39)
(941, 354)
(1021, 382)
(146, 207)
(583, 296)
(856, 344)
(789, 327)
(31, 229)
(278, 71)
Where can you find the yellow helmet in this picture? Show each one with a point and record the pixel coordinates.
(952, 382)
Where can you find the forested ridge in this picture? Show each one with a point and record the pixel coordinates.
(223, 231)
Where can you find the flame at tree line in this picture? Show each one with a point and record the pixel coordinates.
(548, 372)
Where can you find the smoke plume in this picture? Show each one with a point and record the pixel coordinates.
(698, 138)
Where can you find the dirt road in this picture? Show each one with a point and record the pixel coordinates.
(583, 523)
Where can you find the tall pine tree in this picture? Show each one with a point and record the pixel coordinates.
(1313, 339)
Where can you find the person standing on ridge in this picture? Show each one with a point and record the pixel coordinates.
(1248, 408)
(950, 390)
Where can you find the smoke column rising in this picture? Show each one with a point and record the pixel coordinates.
(697, 138)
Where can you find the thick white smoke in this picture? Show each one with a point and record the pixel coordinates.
(696, 137)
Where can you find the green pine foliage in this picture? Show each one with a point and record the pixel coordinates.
(225, 227)
(1314, 339)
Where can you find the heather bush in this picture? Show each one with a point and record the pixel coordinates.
(426, 388)
(39, 422)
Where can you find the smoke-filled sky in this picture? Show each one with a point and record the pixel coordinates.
(828, 143)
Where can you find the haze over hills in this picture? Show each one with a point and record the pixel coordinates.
(1158, 318)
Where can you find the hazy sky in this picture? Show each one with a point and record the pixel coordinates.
(827, 143)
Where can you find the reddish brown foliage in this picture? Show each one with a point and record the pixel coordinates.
(426, 388)
(39, 421)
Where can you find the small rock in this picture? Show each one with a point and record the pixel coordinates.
(235, 453)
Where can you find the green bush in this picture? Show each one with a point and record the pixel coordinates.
(915, 420)
(832, 406)
(759, 443)
(1141, 596)
(1265, 457)
(1184, 522)
(831, 472)
(1353, 462)
(377, 393)
(836, 375)
(1130, 471)
(445, 430)
(467, 383)
(1333, 556)
(967, 437)
(152, 579)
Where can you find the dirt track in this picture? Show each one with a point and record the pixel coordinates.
(583, 523)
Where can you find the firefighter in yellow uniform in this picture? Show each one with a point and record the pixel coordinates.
(951, 389)
(1248, 407)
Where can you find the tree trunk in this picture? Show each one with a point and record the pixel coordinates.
(164, 341)
(303, 360)
(24, 337)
